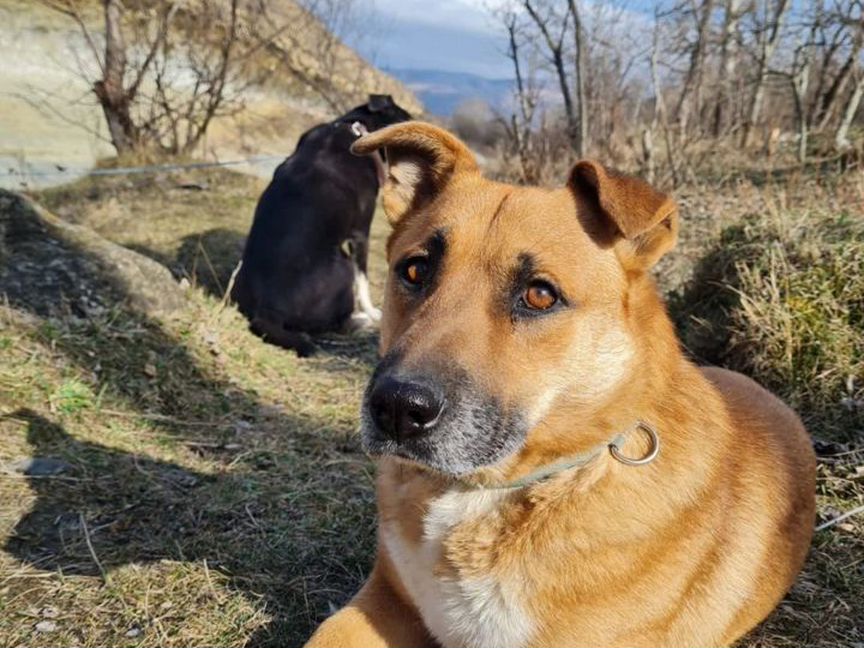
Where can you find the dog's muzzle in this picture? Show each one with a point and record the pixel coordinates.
(438, 418)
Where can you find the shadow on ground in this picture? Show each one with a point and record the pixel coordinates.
(257, 526)
(265, 516)
(703, 307)
(206, 260)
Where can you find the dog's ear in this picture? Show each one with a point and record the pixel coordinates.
(640, 221)
(421, 160)
(379, 102)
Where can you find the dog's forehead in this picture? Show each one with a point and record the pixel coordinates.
(506, 221)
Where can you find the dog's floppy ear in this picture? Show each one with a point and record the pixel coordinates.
(379, 102)
(421, 159)
(641, 221)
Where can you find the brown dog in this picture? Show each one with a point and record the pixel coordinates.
(528, 365)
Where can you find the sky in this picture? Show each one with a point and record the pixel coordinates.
(449, 35)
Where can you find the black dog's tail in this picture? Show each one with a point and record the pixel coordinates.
(275, 333)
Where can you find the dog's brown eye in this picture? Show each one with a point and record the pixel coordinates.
(540, 296)
(415, 271)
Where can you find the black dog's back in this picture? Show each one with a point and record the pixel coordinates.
(296, 278)
(292, 256)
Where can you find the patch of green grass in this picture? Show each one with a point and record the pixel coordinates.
(72, 397)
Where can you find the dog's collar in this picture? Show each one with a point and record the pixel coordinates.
(613, 447)
(359, 129)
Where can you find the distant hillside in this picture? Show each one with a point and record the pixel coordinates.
(330, 70)
(441, 92)
(51, 120)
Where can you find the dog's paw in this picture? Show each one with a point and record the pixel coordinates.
(375, 314)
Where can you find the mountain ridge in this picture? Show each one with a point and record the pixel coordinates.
(441, 91)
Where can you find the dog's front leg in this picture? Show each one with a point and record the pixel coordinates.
(375, 618)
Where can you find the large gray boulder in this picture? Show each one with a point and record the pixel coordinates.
(53, 268)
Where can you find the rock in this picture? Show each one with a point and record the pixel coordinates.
(825, 448)
(178, 478)
(191, 185)
(828, 513)
(39, 467)
(49, 267)
(46, 626)
(241, 426)
(133, 632)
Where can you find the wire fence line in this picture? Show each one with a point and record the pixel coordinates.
(60, 170)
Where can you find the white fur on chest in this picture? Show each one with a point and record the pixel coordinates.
(478, 612)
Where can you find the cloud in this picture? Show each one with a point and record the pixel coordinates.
(451, 35)
(409, 45)
(465, 15)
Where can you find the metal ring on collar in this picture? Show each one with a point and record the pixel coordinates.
(653, 450)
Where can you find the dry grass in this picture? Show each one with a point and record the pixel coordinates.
(778, 294)
(223, 488)
(770, 282)
(197, 231)
(220, 482)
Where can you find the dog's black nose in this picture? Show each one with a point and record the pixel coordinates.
(403, 409)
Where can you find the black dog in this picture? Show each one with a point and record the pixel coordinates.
(310, 237)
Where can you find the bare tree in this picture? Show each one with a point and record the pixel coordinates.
(734, 10)
(713, 68)
(799, 79)
(165, 70)
(615, 49)
(829, 102)
(841, 136)
(114, 95)
(546, 23)
(521, 121)
(769, 18)
(660, 116)
(181, 119)
(690, 99)
(580, 72)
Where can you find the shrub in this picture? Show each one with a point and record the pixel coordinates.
(782, 300)
(476, 123)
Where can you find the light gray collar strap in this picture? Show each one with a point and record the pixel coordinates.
(613, 447)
